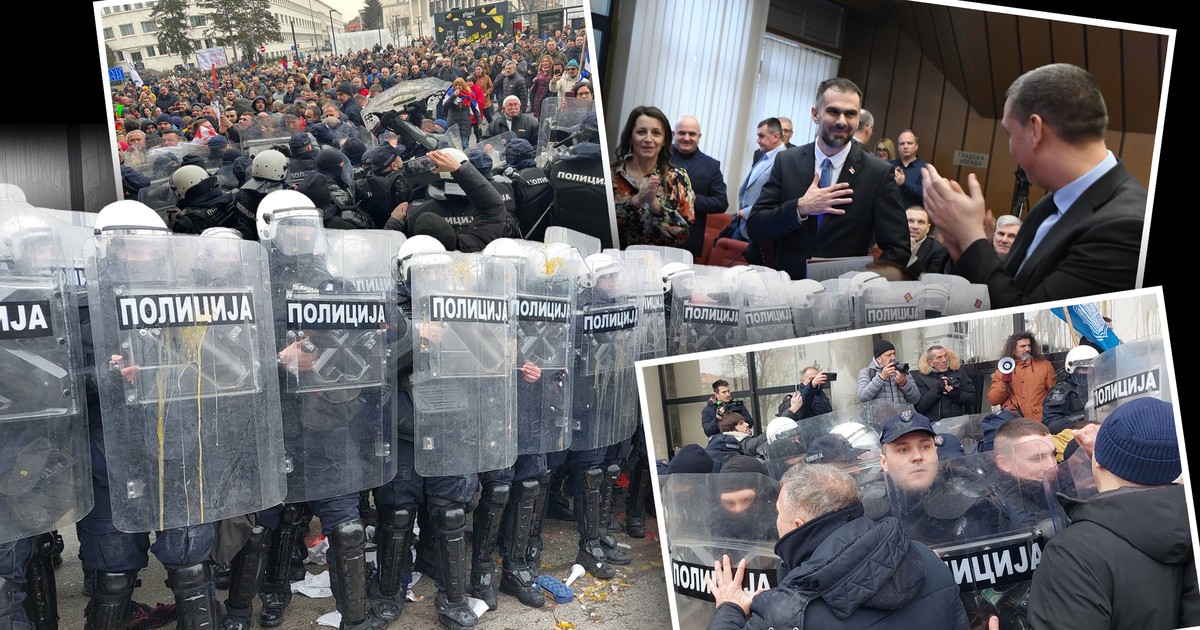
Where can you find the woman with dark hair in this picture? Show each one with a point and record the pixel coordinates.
(654, 199)
(540, 88)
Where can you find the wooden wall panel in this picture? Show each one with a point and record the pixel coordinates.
(882, 74)
(978, 138)
(970, 38)
(951, 130)
(904, 87)
(1036, 49)
(1006, 61)
(1137, 151)
(1069, 43)
(928, 108)
(1143, 89)
(1104, 62)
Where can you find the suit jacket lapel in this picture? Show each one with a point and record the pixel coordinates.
(1040, 213)
(1085, 206)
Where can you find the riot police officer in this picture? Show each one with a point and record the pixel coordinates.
(532, 194)
(201, 201)
(577, 178)
(1064, 402)
(267, 173)
(303, 158)
(471, 206)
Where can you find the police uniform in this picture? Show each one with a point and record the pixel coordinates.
(1065, 401)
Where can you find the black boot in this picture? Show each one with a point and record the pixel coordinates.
(487, 526)
(635, 503)
(533, 553)
(517, 578)
(450, 525)
(394, 540)
(109, 595)
(41, 591)
(348, 576)
(559, 508)
(245, 574)
(612, 551)
(587, 511)
(195, 596)
(11, 615)
(276, 589)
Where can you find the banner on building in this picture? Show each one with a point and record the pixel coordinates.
(472, 23)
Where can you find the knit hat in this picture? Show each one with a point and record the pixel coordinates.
(1138, 443)
(881, 346)
(691, 459)
(346, 88)
(744, 464)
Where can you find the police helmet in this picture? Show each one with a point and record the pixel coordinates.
(458, 156)
(414, 246)
(185, 177)
(1080, 357)
(269, 165)
(128, 216)
(11, 192)
(279, 205)
(222, 232)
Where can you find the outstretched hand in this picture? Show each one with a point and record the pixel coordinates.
(728, 586)
(960, 216)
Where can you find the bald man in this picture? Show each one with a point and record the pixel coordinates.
(707, 181)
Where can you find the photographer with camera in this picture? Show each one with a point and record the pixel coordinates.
(1022, 378)
(945, 389)
(885, 379)
(814, 400)
(721, 403)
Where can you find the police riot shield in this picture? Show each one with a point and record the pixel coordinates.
(464, 349)
(45, 461)
(967, 430)
(817, 309)
(545, 332)
(646, 265)
(396, 98)
(766, 310)
(587, 245)
(987, 516)
(606, 345)
(888, 303)
(265, 133)
(335, 326)
(158, 168)
(495, 148)
(840, 438)
(829, 268)
(948, 294)
(75, 229)
(665, 254)
(1134, 369)
(708, 316)
(708, 516)
(181, 326)
(561, 121)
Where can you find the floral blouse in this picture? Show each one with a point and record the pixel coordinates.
(640, 225)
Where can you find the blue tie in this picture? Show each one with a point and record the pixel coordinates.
(826, 175)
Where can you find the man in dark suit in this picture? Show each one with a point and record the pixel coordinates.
(705, 173)
(928, 255)
(799, 216)
(1082, 239)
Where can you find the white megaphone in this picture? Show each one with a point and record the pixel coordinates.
(577, 572)
(1006, 365)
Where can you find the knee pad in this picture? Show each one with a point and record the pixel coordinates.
(189, 577)
(107, 585)
(397, 517)
(450, 516)
(613, 471)
(495, 495)
(593, 477)
(291, 514)
(348, 535)
(528, 488)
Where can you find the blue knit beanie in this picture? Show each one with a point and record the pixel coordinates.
(1138, 443)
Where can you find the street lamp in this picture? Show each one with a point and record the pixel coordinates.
(332, 33)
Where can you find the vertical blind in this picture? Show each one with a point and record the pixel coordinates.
(787, 86)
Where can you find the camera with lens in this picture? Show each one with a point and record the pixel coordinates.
(952, 381)
(902, 368)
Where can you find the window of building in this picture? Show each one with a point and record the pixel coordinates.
(107, 10)
(136, 56)
(198, 20)
(149, 51)
(126, 7)
(108, 32)
(208, 43)
(120, 55)
(149, 27)
(126, 30)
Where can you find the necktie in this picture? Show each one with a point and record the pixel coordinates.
(826, 175)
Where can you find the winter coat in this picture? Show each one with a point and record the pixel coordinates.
(873, 387)
(1031, 381)
(710, 421)
(933, 403)
(1125, 561)
(851, 572)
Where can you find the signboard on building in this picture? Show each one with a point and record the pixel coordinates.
(549, 22)
(471, 23)
(210, 57)
(116, 75)
(973, 160)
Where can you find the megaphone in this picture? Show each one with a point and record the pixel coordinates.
(1007, 365)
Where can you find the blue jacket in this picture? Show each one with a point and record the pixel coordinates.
(853, 574)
